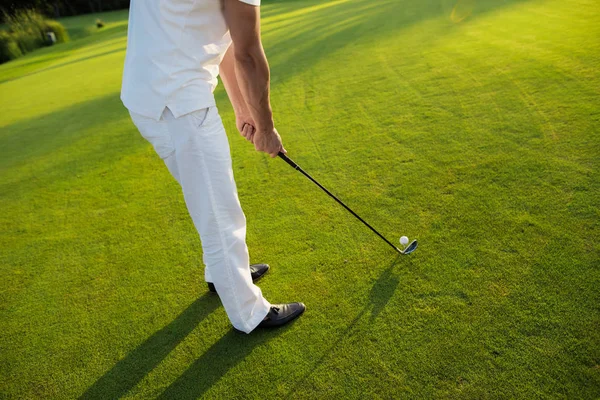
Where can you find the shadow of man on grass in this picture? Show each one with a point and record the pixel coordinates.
(226, 353)
(129, 371)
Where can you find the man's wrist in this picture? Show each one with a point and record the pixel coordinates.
(266, 124)
(265, 128)
(240, 111)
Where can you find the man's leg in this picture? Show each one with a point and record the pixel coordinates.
(196, 151)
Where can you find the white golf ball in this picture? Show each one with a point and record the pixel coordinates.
(404, 240)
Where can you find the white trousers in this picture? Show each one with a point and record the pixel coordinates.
(196, 151)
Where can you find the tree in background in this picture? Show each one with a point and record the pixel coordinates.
(59, 8)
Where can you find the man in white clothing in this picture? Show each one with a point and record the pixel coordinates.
(175, 51)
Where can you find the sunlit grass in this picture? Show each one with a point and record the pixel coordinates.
(472, 126)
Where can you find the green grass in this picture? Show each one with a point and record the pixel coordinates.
(85, 25)
(476, 132)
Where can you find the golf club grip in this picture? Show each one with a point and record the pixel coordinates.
(287, 160)
(296, 167)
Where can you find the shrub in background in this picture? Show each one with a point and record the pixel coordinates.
(24, 20)
(9, 49)
(27, 41)
(27, 30)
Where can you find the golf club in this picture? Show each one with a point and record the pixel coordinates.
(407, 250)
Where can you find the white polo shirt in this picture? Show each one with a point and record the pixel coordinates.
(174, 48)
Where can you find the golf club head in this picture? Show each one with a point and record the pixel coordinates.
(410, 248)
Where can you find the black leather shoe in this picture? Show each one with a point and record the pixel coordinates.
(256, 270)
(281, 314)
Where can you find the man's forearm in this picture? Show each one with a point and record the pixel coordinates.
(229, 78)
(252, 71)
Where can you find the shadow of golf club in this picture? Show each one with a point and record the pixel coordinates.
(129, 371)
(383, 289)
(380, 294)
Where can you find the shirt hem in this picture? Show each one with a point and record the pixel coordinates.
(177, 110)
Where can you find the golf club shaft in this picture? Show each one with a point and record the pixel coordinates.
(296, 167)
